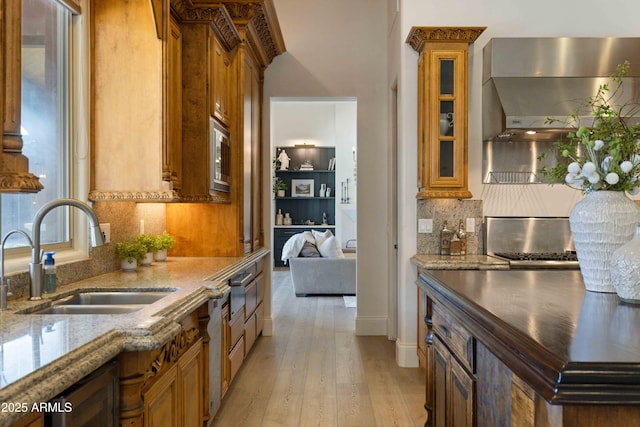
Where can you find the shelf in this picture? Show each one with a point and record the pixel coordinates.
(306, 226)
(305, 198)
(306, 171)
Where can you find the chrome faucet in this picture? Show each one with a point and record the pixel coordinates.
(35, 268)
(4, 288)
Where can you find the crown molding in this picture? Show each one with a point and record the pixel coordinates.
(418, 36)
(189, 11)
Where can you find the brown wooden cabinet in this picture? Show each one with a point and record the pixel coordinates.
(443, 109)
(221, 79)
(422, 329)
(225, 366)
(168, 386)
(453, 387)
(172, 144)
(34, 419)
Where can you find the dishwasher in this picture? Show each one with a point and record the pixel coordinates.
(91, 402)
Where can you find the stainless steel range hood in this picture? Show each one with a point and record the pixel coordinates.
(527, 80)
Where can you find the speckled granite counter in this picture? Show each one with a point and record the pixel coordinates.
(41, 355)
(464, 262)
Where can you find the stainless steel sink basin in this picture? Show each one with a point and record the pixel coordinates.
(110, 298)
(108, 302)
(89, 309)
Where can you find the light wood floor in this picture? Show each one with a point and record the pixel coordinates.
(315, 371)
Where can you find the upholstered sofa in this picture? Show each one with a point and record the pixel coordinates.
(324, 276)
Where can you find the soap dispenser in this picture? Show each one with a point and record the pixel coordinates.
(50, 280)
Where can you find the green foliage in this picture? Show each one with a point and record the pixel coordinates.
(149, 241)
(131, 251)
(165, 240)
(605, 155)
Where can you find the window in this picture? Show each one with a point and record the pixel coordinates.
(46, 45)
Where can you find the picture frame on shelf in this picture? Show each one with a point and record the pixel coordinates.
(302, 188)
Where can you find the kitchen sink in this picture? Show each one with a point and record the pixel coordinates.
(110, 298)
(107, 302)
(90, 309)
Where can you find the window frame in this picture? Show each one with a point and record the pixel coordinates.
(78, 133)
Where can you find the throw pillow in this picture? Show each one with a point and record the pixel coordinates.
(320, 237)
(309, 250)
(293, 246)
(330, 248)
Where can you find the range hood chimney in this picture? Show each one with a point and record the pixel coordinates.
(527, 80)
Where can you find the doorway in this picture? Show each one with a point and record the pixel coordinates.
(318, 137)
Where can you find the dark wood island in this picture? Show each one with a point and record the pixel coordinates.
(527, 348)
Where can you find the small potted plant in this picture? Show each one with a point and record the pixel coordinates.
(151, 245)
(280, 187)
(165, 242)
(130, 253)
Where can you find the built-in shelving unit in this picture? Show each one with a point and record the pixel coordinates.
(305, 204)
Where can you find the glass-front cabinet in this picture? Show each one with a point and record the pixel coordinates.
(442, 109)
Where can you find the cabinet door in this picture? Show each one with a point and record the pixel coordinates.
(440, 389)
(454, 390)
(220, 77)
(190, 386)
(443, 109)
(172, 147)
(161, 401)
(461, 396)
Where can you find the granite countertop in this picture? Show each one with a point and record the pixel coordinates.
(462, 262)
(41, 355)
(570, 345)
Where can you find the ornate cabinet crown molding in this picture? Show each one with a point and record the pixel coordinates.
(260, 18)
(193, 12)
(134, 196)
(419, 35)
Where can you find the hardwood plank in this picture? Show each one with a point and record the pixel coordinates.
(314, 371)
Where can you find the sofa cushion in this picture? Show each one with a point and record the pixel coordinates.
(330, 248)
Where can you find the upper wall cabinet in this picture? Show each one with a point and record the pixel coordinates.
(14, 166)
(132, 102)
(443, 109)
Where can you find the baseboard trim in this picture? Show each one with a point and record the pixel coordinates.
(371, 325)
(406, 355)
(267, 328)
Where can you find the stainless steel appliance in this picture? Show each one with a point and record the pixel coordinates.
(220, 163)
(531, 242)
(527, 80)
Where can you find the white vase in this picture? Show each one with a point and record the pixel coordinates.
(160, 256)
(625, 270)
(148, 259)
(128, 265)
(600, 223)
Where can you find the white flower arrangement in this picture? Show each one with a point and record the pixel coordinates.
(605, 156)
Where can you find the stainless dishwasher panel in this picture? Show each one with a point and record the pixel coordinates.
(238, 283)
(92, 402)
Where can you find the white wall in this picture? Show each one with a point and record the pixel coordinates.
(503, 18)
(337, 48)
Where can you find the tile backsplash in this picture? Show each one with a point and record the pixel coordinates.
(452, 211)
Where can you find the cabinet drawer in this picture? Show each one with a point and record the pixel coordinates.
(251, 298)
(236, 356)
(237, 328)
(455, 336)
(249, 332)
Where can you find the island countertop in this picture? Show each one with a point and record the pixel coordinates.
(570, 345)
(44, 354)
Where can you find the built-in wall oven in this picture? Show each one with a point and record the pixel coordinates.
(220, 158)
